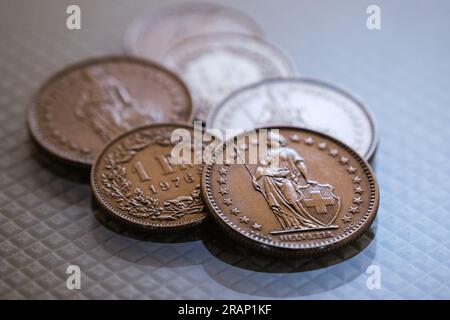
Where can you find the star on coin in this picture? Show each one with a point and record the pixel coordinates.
(353, 210)
(256, 226)
(343, 160)
(222, 180)
(227, 201)
(223, 171)
(359, 190)
(333, 152)
(322, 146)
(357, 200)
(309, 141)
(223, 191)
(244, 219)
(351, 169)
(295, 138)
(346, 219)
(356, 179)
(235, 211)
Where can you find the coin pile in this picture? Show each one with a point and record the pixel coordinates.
(312, 191)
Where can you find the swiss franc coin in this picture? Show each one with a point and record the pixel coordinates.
(135, 179)
(299, 102)
(153, 34)
(214, 65)
(81, 108)
(307, 193)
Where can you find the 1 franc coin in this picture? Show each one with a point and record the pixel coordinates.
(152, 34)
(135, 179)
(308, 194)
(215, 65)
(81, 108)
(299, 102)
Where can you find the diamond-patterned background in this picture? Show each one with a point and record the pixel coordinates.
(48, 220)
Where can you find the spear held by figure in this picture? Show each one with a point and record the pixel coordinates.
(279, 213)
(254, 182)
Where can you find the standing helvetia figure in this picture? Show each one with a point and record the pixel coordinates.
(297, 202)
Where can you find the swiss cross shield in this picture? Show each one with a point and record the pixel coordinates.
(319, 202)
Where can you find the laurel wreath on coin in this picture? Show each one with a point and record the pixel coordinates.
(116, 185)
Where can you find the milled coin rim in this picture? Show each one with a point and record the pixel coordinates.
(105, 203)
(369, 154)
(253, 241)
(140, 24)
(32, 115)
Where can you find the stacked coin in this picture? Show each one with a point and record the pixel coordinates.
(304, 103)
(214, 49)
(134, 177)
(310, 188)
(81, 108)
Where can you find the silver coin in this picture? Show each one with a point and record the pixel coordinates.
(214, 65)
(152, 34)
(300, 102)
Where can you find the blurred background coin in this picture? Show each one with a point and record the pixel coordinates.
(151, 35)
(308, 194)
(299, 102)
(84, 106)
(135, 179)
(214, 65)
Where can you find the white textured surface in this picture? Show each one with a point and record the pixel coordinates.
(402, 72)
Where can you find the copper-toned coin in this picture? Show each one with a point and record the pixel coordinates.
(307, 194)
(135, 179)
(81, 108)
(215, 65)
(152, 34)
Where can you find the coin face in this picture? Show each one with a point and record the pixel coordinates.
(299, 102)
(83, 107)
(135, 179)
(214, 65)
(151, 35)
(307, 193)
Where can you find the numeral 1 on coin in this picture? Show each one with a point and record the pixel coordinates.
(139, 169)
